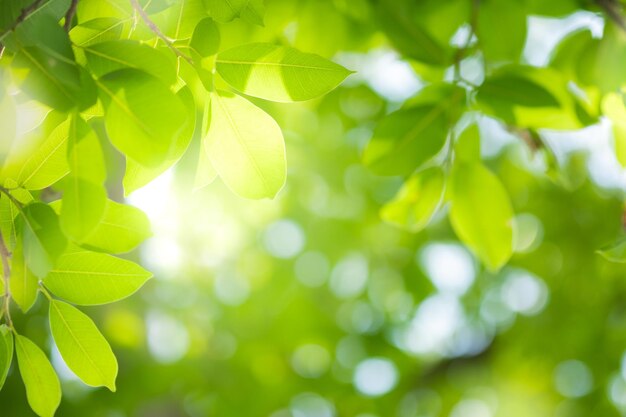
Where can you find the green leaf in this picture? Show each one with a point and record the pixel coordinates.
(137, 175)
(251, 11)
(136, 120)
(205, 173)
(498, 44)
(90, 278)
(41, 158)
(515, 90)
(84, 204)
(43, 240)
(180, 20)
(43, 389)
(278, 73)
(614, 109)
(24, 284)
(6, 352)
(48, 9)
(467, 146)
(84, 154)
(8, 121)
(9, 212)
(246, 147)
(206, 38)
(616, 252)
(106, 57)
(83, 348)
(122, 229)
(481, 214)
(417, 201)
(97, 30)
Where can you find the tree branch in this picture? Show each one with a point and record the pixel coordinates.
(69, 16)
(613, 10)
(154, 28)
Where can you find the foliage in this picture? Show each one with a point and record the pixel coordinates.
(122, 91)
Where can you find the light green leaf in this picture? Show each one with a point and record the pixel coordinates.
(41, 160)
(278, 73)
(122, 229)
(83, 348)
(90, 278)
(498, 44)
(481, 214)
(406, 139)
(84, 204)
(226, 10)
(9, 212)
(43, 389)
(110, 56)
(205, 173)
(614, 108)
(417, 201)
(6, 352)
(615, 252)
(246, 147)
(43, 240)
(136, 120)
(206, 38)
(97, 30)
(467, 145)
(23, 283)
(84, 155)
(180, 20)
(8, 121)
(137, 175)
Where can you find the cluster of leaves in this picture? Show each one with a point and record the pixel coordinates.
(582, 82)
(142, 78)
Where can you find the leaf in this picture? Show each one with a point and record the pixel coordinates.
(615, 252)
(41, 160)
(278, 73)
(498, 44)
(137, 175)
(136, 121)
(106, 57)
(8, 121)
(83, 348)
(180, 20)
(84, 154)
(205, 173)
(417, 201)
(614, 109)
(43, 389)
(481, 214)
(43, 240)
(6, 352)
(53, 9)
(9, 212)
(97, 30)
(90, 278)
(515, 90)
(246, 147)
(84, 204)
(24, 284)
(122, 228)
(467, 146)
(226, 10)
(206, 38)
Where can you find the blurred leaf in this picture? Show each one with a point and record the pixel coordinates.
(481, 214)
(467, 146)
(106, 57)
(83, 348)
(136, 120)
(6, 352)
(24, 284)
(90, 278)
(43, 389)
(206, 38)
(417, 201)
(226, 10)
(43, 240)
(246, 147)
(614, 108)
(83, 207)
(502, 29)
(615, 252)
(180, 20)
(137, 175)
(278, 73)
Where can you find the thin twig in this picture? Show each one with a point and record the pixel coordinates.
(69, 16)
(154, 28)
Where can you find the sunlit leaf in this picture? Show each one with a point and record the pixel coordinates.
(43, 389)
(24, 284)
(417, 201)
(481, 214)
(278, 73)
(83, 348)
(43, 240)
(6, 352)
(84, 205)
(246, 147)
(90, 278)
(206, 38)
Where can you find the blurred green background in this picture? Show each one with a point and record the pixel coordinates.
(310, 306)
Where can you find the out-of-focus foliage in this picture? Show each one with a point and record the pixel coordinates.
(448, 240)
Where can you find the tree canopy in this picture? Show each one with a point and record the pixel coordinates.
(350, 208)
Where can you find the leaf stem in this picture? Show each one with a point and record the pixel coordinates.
(69, 15)
(154, 28)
